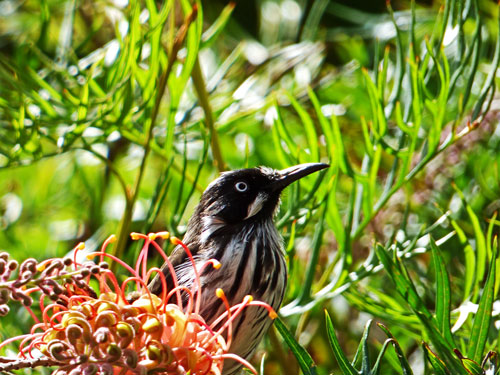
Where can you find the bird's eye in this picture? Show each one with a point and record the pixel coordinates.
(241, 186)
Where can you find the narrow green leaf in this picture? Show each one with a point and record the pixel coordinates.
(310, 131)
(284, 135)
(217, 27)
(400, 61)
(443, 295)
(403, 284)
(363, 348)
(305, 361)
(472, 367)
(481, 325)
(407, 290)
(470, 80)
(342, 360)
(43, 84)
(400, 121)
(470, 261)
(489, 235)
(366, 137)
(370, 188)
(490, 80)
(332, 147)
(313, 261)
(382, 74)
(84, 102)
(478, 234)
(437, 364)
(405, 366)
(379, 121)
(365, 360)
(376, 368)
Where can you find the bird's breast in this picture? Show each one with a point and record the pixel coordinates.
(252, 263)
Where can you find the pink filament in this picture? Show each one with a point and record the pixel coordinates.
(171, 269)
(196, 274)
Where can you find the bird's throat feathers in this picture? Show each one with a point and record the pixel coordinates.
(213, 223)
(210, 225)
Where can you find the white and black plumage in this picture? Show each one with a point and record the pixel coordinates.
(233, 223)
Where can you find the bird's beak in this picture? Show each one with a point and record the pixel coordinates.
(292, 174)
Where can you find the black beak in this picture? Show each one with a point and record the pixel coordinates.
(292, 174)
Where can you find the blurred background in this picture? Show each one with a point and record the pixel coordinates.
(399, 98)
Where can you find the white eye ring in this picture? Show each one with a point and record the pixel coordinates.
(241, 186)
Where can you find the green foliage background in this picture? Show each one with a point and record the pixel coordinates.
(114, 116)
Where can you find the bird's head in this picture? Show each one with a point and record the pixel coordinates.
(248, 194)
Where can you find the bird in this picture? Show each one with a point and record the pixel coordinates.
(233, 223)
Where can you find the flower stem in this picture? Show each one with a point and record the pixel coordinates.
(162, 85)
(201, 91)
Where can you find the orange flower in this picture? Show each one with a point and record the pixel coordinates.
(81, 333)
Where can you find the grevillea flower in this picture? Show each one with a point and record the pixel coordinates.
(80, 332)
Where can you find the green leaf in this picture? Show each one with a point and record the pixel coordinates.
(217, 27)
(310, 131)
(407, 290)
(333, 149)
(282, 157)
(478, 234)
(470, 260)
(284, 135)
(472, 367)
(305, 361)
(405, 366)
(365, 360)
(342, 360)
(403, 283)
(481, 325)
(443, 295)
(376, 368)
(313, 261)
(437, 364)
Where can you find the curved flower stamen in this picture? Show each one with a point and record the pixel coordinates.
(177, 241)
(170, 268)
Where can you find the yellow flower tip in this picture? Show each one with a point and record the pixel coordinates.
(135, 236)
(91, 256)
(40, 267)
(216, 264)
(272, 314)
(147, 303)
(163, 235)
(219, 293)
(248, 298)
(80, 246)
(111, 239)
(152, 236)
(174, 240)
(152, 325)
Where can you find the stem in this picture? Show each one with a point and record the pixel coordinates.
(7, 364)
(201, 91)
(110, 165)
(162, 85)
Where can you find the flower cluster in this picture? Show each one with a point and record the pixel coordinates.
(82, 333)
(47, 277)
